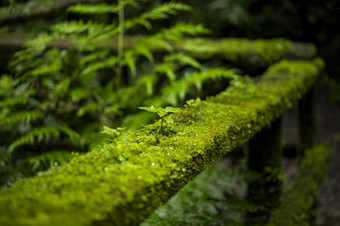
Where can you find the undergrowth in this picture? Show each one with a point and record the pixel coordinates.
(55, 100)
(213, 198)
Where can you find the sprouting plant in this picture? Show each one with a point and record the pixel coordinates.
(112, 133)
(163, 113)
(193, 103)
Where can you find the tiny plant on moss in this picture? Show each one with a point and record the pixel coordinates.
(163, 113)
(193, 103)
(112, 133)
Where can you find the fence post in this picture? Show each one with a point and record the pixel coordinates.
(306, 122)
(306, 133)
(264, 158)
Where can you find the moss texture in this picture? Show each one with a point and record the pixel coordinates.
(124, 182)
(259, 53)
(297, 207)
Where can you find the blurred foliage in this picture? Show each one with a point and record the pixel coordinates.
(55, 101)
(213, 198)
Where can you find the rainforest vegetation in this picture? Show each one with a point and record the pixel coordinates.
(75, 75)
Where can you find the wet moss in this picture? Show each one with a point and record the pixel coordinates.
(260, 53)
(122, 183)
(298, 207)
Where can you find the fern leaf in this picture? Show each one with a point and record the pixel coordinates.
(94, 107)
(45, 69)
(22, 116)
(13, 101)
(78, 94)
(6, 84)
(93, 57)
(50, 158)
(73, 135)
(162, 11)
(130, 60)
(167, 68)
(181, 29)
(33, 48)
(184, 59)
(158, 13)
(35, 134)
(144, 51)
(41, 133)
(62, 88)
(148, 81)
(79, 27)
(96, 66)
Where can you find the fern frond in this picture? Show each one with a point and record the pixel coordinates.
(96, 66)
(78, 94)
(177, 90)
(21, 116)
(167, 68)
(144, 51)
(213, 73)
(32, 48)
(182, 29)
(130, 59)
(35, 134)
(162, 11)
(62, 88)
(94, 107)
(44, 69)
(50, 158)
(6, 84)
(13, 101)
(157, 13)
(79, 27)
(73, 135)
(93, 57)
(184, 60)
(41, 133)
(148, 81)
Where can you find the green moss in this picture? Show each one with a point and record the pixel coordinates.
(297, 207)
(123, 183)
(253, 53)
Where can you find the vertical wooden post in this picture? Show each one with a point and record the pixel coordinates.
(265, 155)
(306, 133)
(306, 122)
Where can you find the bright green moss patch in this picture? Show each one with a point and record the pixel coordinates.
(124, 182)
(260, 53)
(297, 207)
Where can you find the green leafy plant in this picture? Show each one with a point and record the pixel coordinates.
(59, 98)
(163, 113)
(112, 133)
(213, 198)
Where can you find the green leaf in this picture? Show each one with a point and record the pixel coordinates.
(113, 133)
(172, 109)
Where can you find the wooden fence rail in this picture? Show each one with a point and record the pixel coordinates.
(124, 182)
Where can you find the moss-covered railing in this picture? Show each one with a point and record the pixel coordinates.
(252, 54)
(123, 183)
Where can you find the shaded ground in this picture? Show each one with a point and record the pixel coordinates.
(328, 131)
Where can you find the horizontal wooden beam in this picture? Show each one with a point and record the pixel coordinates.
(7, 18)
(124, 182)
(249, 53)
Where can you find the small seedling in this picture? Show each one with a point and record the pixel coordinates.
(112, 133)
(193, 103)
(163, 113)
